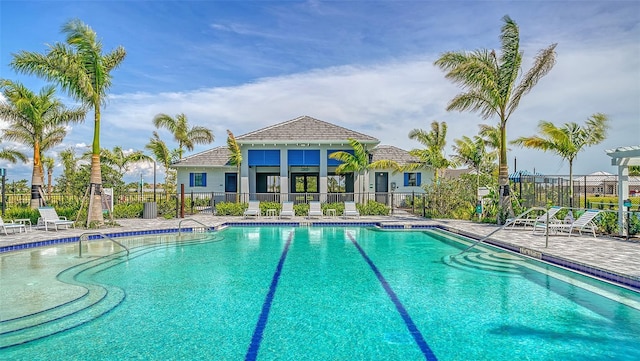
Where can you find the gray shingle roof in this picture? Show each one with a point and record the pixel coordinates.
(395, 154)
(304, 129)
(218, 156)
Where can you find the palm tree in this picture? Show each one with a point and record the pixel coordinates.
(235, 158)
(120, 159)
(37, 120)
(49, 163)
(473, 153)
(185, 136)
(434, 142)
(568, 140)
(12, 155)
(490, 88)
(162, 155)
(358, 162)
(81, 69)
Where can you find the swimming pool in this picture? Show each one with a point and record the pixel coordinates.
(325, 293)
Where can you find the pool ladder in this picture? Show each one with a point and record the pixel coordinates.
(95, 233)
(193, 220)
(508, 223)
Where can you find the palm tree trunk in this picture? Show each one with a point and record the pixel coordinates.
(571, 183)
(503, 179)
(36, 179)
(95, 192)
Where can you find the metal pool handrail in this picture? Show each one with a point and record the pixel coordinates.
(190, 219)
(508, 223)
(95, 233)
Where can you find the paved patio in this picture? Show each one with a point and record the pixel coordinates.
(615, 257)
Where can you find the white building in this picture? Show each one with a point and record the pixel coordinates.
(290, 161)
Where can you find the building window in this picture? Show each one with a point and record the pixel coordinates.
(412, 179)
(337, 183)
(197, 179)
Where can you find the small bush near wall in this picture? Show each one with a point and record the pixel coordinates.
(230, 209)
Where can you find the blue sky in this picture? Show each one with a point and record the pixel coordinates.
(365, 65)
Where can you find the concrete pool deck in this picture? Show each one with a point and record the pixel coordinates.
(610, 258)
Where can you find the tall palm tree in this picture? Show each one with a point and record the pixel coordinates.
(235, 158)
(358, 162)
(37, 120)
(490, 87)
(162, 155)
(433, 153)
(81, 69)
(187, 137)
(48, 163)
(473, 153)
(567, 141)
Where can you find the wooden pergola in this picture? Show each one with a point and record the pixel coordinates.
(623, 157)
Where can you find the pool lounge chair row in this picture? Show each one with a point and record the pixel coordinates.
(315, 210)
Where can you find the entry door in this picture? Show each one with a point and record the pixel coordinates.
(382, 187)
(305, 183)
(231, 186)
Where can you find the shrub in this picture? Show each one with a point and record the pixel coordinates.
(373, 208)
(230, 209)
(128, 210)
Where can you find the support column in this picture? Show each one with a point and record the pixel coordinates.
(623, 193)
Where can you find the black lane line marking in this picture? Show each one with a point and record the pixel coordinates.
(252, 353)
(413, 329)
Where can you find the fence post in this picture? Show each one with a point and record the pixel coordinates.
(192, 203)
(182, 200)
(424, 206)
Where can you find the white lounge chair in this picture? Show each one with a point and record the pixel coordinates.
(253, 210)
(315, 210)
(287, 210)
(49, 216)
(582, 223)
(12, 226)
(532, 221)
(350, 210)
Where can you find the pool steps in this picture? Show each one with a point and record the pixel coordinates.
(95, 302)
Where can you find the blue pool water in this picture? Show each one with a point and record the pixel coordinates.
(336, 293)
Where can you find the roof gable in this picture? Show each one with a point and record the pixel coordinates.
(218, 156)
(389, 152)
(304, 129)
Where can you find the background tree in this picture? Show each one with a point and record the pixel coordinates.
(634, 170)
(433, 153)
(358, 162)
(81, 69)
(120, 159)
(163, 156)
(69, 166)
(568, 140)
(49, 163)
(473, 153)
(185, 136)
(235, 158)
(491, 90)
(36, 120)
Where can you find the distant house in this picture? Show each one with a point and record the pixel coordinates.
(290, 161)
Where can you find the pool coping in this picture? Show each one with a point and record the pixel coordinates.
(626, 281)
